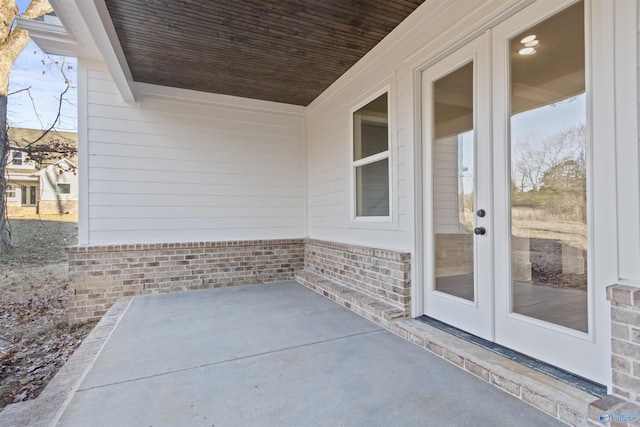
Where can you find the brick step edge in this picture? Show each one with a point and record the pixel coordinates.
(370, 308)
(552, 396)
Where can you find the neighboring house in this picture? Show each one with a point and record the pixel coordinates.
(22, 184)
(475, 162)
(58, 188)
(45, 189)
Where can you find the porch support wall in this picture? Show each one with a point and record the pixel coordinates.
(101, 275)
(622, 406)
(625, 341)
(378, 273)
(373, 282)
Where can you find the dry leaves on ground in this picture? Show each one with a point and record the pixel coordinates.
(35, 337)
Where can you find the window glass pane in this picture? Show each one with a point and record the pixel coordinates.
(64, 188)
(372, 189)
(370, 129)
(32, 195)
(548, 171)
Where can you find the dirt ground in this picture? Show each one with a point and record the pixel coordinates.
(35, 338)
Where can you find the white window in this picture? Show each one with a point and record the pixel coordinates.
(28, 195)
(16, 158)
(371, 168)
(63, 188)
(11, 192)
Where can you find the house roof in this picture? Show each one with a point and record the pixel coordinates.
(21, 137)
(69, 164)
(285, 51)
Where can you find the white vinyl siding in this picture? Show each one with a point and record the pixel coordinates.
(434, 26)
(175, 170)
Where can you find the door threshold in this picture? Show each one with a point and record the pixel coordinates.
(569, 378)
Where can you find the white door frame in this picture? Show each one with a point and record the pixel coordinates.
(602, 192)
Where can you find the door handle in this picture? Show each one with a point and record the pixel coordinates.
(480, 231)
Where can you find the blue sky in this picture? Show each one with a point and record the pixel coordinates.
(46, 85)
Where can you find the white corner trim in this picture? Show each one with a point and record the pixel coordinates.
(83, 153)
(98, 20)
(626, 127)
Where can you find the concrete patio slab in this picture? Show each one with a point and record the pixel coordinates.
(275, 354)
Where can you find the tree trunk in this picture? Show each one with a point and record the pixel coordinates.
(5, 235)
(12, 41)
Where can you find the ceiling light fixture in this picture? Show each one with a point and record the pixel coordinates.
(529, 42)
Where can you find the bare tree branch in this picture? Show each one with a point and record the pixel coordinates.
(26, 89)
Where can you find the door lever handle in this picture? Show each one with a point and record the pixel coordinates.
(480, 231)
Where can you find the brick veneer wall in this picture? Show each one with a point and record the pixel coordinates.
(378, 273)
(622, 407)
(100, 275)
(625, 341)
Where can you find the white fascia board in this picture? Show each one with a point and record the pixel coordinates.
(96, 16)
(51, 30)
(53, 39)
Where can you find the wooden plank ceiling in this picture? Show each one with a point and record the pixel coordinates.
(278, 50)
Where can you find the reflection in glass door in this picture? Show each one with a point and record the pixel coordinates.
(548, 171)
(453, 183)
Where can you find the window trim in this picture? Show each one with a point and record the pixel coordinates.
(374, 222)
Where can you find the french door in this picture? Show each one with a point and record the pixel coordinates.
(459, 155)
(506, 203)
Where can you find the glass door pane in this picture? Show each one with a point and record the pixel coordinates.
(454, 183)
(548, 171)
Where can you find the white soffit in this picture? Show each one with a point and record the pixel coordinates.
(55, 35)
(51, 38)
(85, 31)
